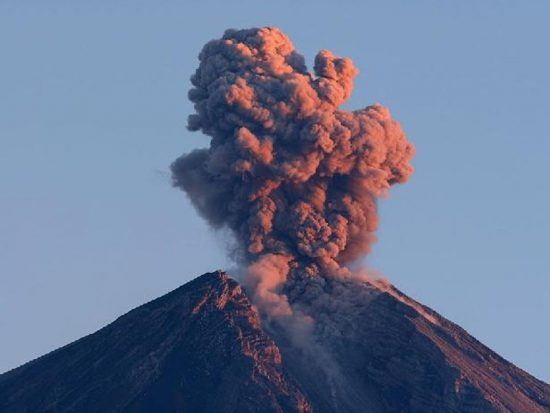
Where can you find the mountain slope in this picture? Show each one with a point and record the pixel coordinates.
(388, 353)
(197, 349)
(201, 348)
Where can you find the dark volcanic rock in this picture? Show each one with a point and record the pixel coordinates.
(201, 348)
(197, 349)
(388, 353)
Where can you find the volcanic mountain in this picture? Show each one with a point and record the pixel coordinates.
(203, 348)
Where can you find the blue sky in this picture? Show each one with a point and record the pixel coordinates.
(93, 112)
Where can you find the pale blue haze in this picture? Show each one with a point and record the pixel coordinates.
(93, 109)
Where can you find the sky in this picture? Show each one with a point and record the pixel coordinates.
(93, 110)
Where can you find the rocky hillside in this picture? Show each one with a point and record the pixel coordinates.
(202, 348)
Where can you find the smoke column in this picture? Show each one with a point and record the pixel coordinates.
(294, 177)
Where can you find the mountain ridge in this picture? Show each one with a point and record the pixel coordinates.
(202, 347)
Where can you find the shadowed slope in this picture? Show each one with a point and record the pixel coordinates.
(388, 353)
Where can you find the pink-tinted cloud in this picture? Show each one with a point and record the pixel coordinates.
(294, 177)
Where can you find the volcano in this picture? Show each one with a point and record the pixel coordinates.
(204, 348)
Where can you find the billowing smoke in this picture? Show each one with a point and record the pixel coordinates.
(294, 177)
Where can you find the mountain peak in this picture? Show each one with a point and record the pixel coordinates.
(203, 348)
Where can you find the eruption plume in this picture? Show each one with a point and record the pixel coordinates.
(295, 178)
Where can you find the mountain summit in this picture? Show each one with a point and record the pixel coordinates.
(202, 348)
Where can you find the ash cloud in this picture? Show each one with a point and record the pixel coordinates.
(295, 178)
